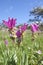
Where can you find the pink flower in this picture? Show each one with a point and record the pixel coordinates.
(18, 33)
(10, 23)
(24, 27)
(34, 27)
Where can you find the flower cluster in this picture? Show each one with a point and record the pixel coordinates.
(20, 31)
(10, 23)
(34, 30)
(34, 27)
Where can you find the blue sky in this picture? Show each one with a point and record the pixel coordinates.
(18, 9)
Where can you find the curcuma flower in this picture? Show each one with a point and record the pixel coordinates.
(24, 27)
(10, 23)
(18, 33)
(34, 27)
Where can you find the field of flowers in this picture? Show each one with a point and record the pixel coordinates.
(28, 53)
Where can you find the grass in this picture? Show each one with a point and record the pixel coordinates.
(24, 53)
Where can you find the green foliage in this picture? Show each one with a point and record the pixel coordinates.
(29, 52)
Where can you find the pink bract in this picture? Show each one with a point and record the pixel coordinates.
(10, 23)
(34, 27)
(24, 27)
